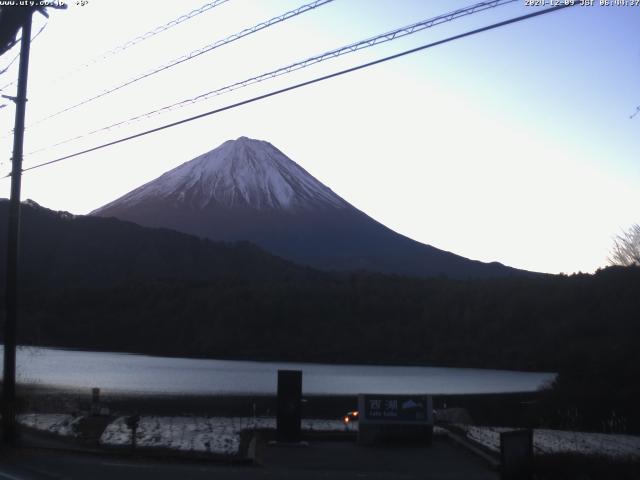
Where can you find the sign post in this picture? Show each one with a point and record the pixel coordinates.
(395, 418)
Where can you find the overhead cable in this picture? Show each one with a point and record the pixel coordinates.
(140, 38)
(303, 84)
(18, 55)
(350, 48)
(193, 54)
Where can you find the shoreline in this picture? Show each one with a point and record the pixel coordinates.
(496, 408)
(269, 360)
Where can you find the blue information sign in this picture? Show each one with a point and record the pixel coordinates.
(396, 408)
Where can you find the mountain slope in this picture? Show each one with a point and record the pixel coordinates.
(248, 190)
(61, 250)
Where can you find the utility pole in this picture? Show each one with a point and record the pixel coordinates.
(9, 374)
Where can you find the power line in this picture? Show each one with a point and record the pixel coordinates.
(304, 84)
(151, 33)
(195, 53)
(11, 45)
(140, 38)
(18, 55)
(353, 47)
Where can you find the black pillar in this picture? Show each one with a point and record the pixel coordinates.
(289, 405)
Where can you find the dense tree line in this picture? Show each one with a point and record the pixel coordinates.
(583, 326)
(532, 324)
(102, 284)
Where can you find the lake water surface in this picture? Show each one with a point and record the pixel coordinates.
(122, 372)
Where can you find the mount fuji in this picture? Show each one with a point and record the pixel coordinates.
(249, 190)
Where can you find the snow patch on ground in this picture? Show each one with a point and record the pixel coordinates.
(560, 441)
(58, 423)
(219, 435)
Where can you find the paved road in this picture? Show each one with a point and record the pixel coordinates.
(345, 459)
(320, 460)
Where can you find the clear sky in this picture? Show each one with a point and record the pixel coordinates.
(513, 145)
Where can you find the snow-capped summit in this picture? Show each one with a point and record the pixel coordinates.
(249, 190)
(239, 173)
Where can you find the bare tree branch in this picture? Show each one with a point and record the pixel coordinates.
(626, 248)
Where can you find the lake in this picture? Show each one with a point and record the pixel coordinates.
(122, 372)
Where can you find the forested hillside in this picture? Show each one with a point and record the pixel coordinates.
(104, 284)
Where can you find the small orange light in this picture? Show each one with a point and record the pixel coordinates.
(355, 414)
(346, 419)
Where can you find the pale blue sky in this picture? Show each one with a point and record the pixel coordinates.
(514, 145)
